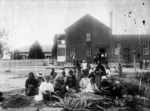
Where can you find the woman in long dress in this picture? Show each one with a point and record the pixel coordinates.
(99, 72)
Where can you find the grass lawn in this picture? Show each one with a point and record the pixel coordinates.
(14, 78)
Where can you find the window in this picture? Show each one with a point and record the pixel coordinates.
(146, 49)
(88, 36)
(118, 49)
(72, 52)
(88, 52)
(61, 51)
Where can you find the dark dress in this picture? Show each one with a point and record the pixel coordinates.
(71, 82)
(59, 86)
(52, 74)
(105, 84)
(1, 97)
(99, 72)
(31, 87)
(117, 92)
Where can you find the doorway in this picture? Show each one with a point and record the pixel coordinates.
(102, 50)
(126, 54)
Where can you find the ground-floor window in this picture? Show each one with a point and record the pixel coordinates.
(118, 49)
(61, 51)
(88, 52)
(146, 49)
(72, 52)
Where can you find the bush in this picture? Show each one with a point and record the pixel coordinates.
(16, 101)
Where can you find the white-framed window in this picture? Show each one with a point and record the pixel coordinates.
(88, 52)
(117, 49)
(88, 37)
(72, 52)
(61, 51)
(146, 49)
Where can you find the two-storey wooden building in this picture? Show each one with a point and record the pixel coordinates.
(87, 36)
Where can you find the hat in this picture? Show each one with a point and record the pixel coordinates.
(40, 74)
(104, 77)
(90, 71)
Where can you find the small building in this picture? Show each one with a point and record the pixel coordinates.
(47, 50)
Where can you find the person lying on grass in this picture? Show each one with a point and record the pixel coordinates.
(46, 89)
(31, 85)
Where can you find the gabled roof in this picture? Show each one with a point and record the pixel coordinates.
(90, 18)
(45, 48)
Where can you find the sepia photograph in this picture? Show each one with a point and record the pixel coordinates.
(74, 55)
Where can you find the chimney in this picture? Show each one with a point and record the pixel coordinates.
(111, 21)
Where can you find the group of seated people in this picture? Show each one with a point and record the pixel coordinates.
(43, 87)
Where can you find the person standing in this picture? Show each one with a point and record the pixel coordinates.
(120, 69)
(146, 63)
(141, 63)
(52, 72)
(73, 59)
(95, 59)
(99, 72)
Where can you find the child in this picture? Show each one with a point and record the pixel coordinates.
(92, 87)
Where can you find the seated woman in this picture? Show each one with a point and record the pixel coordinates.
(117, 90)
(104, 83)
(114, 69)
(92, 87)
(59, 86)
(70, 83)
(108, 71)
(46, 89)
(84, 82)
(40, 79)
(31, 85)
(1, 97)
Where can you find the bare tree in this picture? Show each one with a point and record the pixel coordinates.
(3, 42)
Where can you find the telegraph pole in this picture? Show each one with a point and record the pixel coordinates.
(134, 58)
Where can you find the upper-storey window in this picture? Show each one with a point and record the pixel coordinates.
(88, 37)
(146, 49)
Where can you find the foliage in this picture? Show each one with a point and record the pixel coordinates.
(16, 55)
(3, 42)
(16, 101)
(35, 51)
(71, 103)
(144, 77)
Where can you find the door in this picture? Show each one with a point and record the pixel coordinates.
(126, 54)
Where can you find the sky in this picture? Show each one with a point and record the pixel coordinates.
(26, 21)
